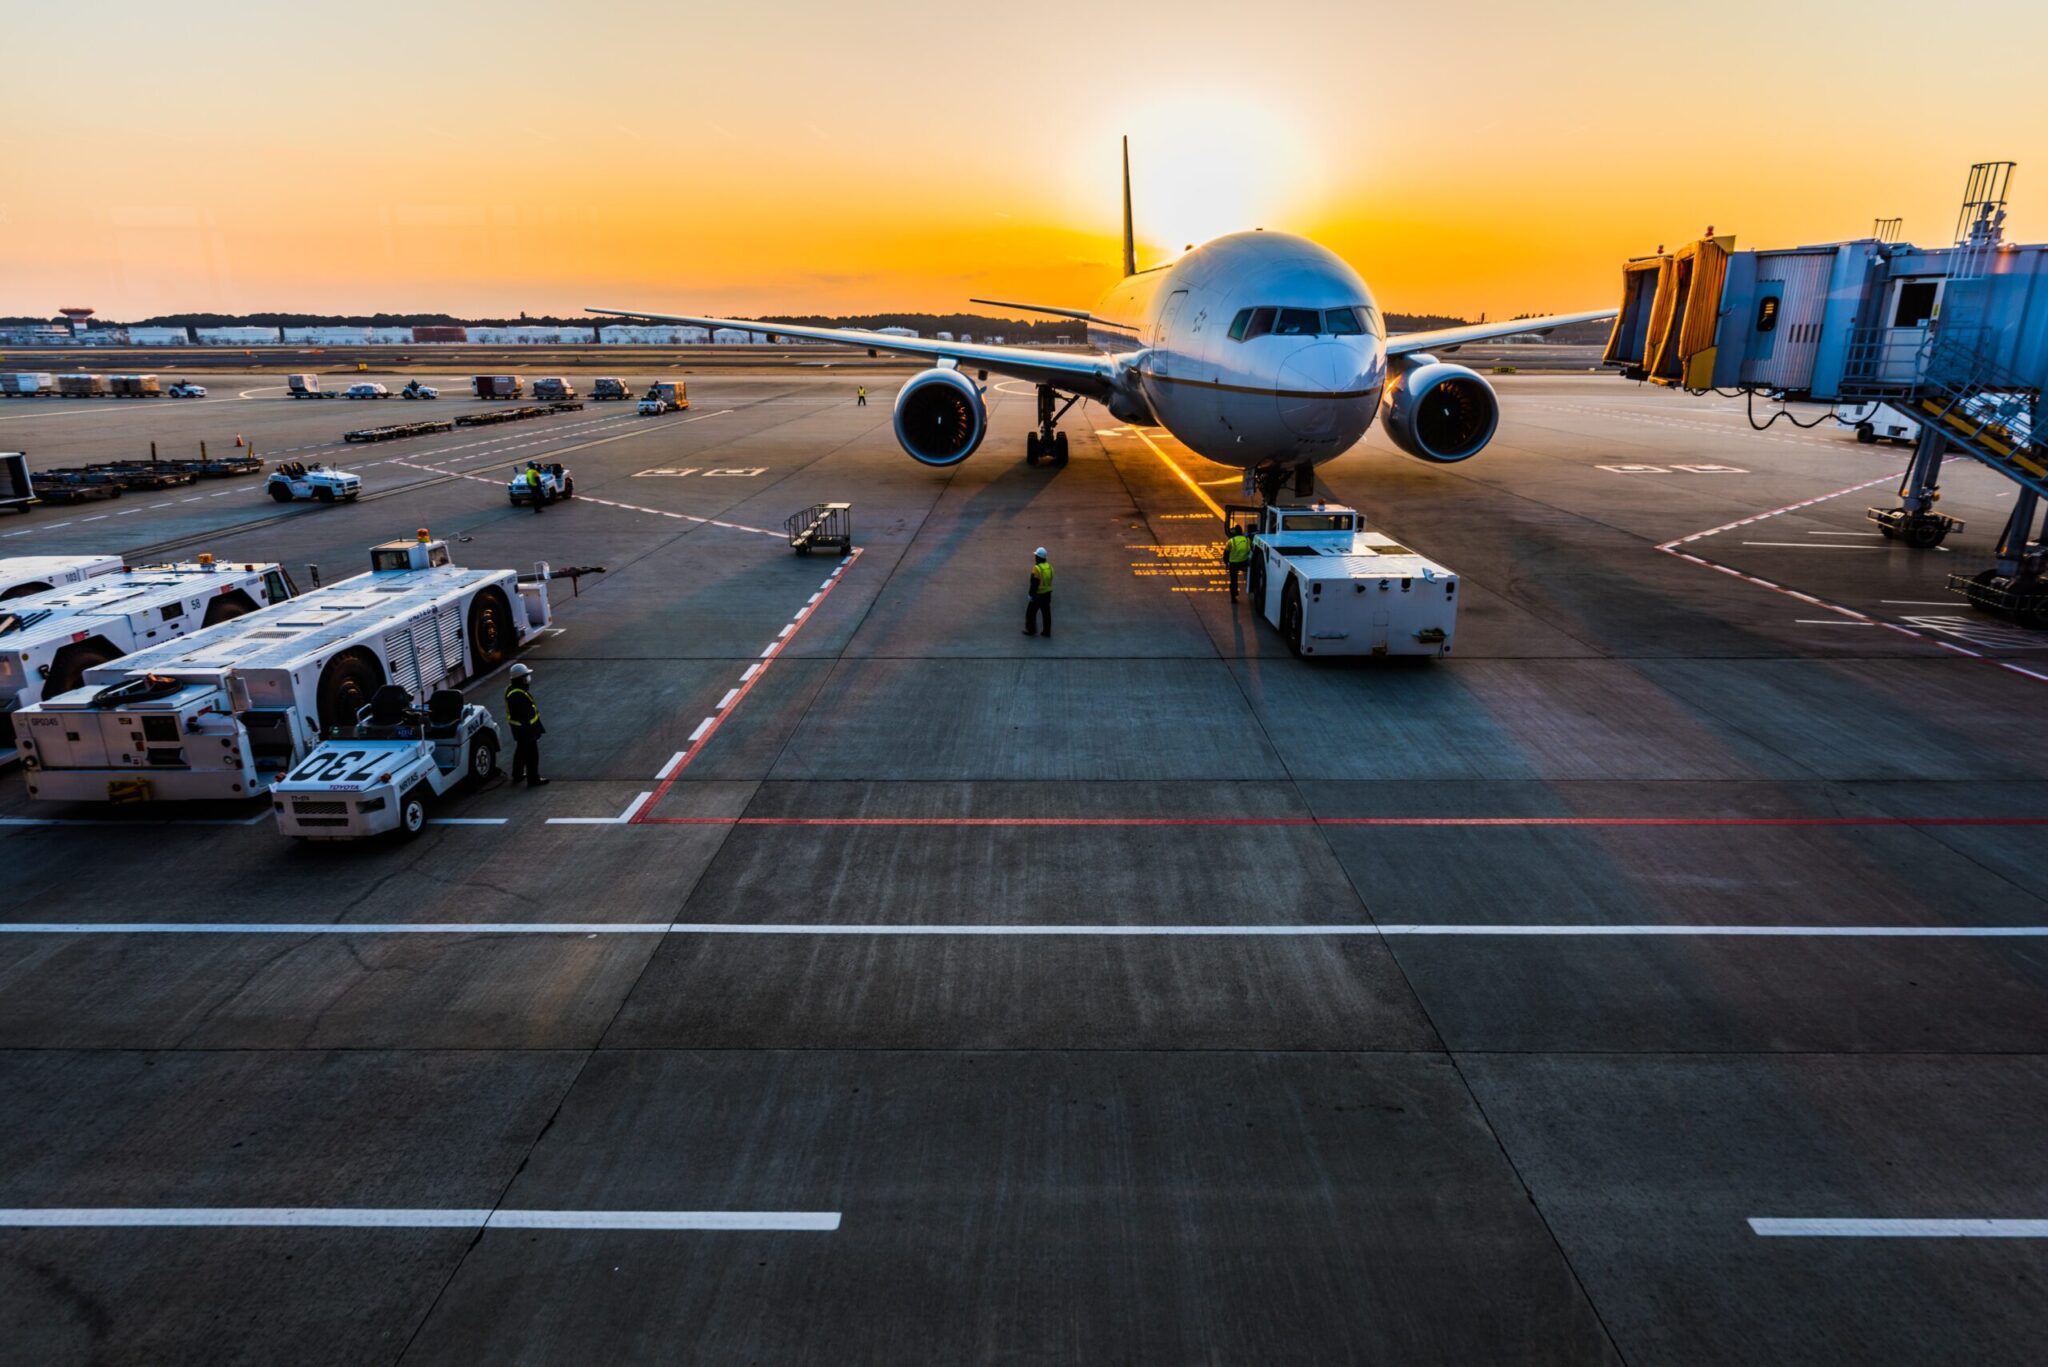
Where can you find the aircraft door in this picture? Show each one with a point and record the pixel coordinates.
(1163, 334)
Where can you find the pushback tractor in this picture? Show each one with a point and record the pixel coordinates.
(21, 575)
(379, 774)
(229, 711)
(49, 640)
(1330, 587)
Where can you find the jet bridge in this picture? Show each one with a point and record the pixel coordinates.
(1955, 336)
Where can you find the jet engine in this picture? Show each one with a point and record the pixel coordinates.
(1440, 412)
(940, 417)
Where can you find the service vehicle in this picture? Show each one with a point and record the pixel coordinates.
(1878, 422)
(1333, 588)
(307, 387)
(231, 710)
(21, 384)
(323, 484)
(609, 387)
(672, 392)
(135, 386)
(653, 407)
(497, 386)
(553, 387)
(369, 389)
(378, 774)
(17, 487)
(21, 575)
(415, 390)
(556, 484)
(49, 639)
(185, 389)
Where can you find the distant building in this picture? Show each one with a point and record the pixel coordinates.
(652, 334)
(896, 332)
(159, 337)
(239, 336)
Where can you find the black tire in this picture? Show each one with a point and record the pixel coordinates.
(351, 496)
(568, 488)
(1925, 536)
(345, 687)
(1255, 582)
(226, 607)
(1888, 531)
(483, 757)
(24, 590)
(1031, 448)
(1059, 448)
(324, 495)
(1866, 434)
(412, 814)
(491, 634)
(1290, 614)
(68, 666)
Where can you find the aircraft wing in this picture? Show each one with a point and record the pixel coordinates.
(1074, 372)
(1402, 343)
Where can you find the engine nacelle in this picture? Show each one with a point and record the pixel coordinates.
(940, 417)
(1440, 412)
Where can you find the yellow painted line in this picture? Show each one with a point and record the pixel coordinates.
(1185, 477)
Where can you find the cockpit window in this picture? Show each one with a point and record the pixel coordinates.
(1296, 323)
(1352, 321)
(1238, 324)
(1259, 324)
(1341, 322)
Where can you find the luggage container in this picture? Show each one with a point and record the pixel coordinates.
(307, 387)
(22, 384)
(17, 490)
(497, 386)
(229, 710)
(49, 639)
(82, 386)
(609, 387)
(135, 387)
(553, 387)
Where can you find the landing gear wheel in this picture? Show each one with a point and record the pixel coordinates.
(1031, 448)
(1290, 614)
(412, 814)
(483, 760)
(1059, 448)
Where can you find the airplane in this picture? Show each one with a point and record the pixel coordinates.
(1260, 350)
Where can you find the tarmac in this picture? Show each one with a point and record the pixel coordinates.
(876, 983)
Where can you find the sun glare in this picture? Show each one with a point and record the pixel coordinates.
(1205, 166)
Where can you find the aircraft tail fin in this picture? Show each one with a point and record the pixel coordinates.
(1130, 242)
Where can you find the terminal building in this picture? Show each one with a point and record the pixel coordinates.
(1954, 338)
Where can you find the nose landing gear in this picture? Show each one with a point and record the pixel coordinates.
(1048, 443)
(1270, 478)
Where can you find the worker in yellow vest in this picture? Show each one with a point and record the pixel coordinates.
(1237, 553)
(524, 716)
(533, 489)
(860, 396)
(1038, 607)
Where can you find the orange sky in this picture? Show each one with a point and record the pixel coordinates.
(774, 157)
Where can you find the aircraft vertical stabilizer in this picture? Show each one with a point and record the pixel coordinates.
(1130, 242)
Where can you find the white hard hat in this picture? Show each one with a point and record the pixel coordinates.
(1040, 552)
(520, 671)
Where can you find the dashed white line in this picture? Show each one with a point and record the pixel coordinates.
(726, 701)
(673, 761)
(385, 1217)
(696, 735)
(1779, 1228)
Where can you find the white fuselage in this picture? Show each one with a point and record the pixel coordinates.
(1254, 349)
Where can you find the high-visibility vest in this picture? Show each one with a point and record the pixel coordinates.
(1041, 577)
(1238, 549)
(533, 480)
(532, 709)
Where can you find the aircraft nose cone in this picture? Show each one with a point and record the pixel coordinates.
(1310, 382)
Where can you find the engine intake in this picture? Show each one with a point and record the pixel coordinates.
(1440, 412)
(940, 418)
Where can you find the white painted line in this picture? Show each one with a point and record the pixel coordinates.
(1771, 1228)
(1872, 535)
(96, 517)
(621, 819)
(633, 807)
(702, 727)
(772, 645)
(785, 631)
(752, 670)
(1919, 603)
(466, 820)
(381, 1217)
(1830, 622)
(1814, 546)
(814, 597)
(987, 930)
(726, 701)
(673, 761)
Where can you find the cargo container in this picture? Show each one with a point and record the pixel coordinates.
(307, 387)
(27, 384)
(497, 386)
(553, 387)
(674, 393)
(82, 386)
(16, 490)
(135, 387)
(608, 387)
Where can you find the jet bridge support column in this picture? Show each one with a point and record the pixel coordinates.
(1914, 521)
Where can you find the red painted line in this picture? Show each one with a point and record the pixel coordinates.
(768, 658)
(1340, 820)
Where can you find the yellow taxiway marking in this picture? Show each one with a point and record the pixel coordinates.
(1174, 465)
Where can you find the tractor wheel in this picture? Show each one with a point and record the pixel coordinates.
(345, 687)
(68, 666)
(483, 759)
(412, 814)
(324, 495)
(568, 488)
(491, 635)
(1290, 614)
(282, 493)
(1866, 434)
(227, 607)
(1255, 584)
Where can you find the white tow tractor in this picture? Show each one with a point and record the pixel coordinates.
(323, 484)
(21, 575)
(556, 484)
(379, 774)
(185, 389)
(415, 390)
(1333, 588)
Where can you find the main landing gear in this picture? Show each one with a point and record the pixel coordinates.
(1271, 478)
(1048, 443)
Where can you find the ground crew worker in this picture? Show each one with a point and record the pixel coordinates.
(524, 718)
(1038, 607)
(860, 396)
(1237, 553)
(533, 486)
